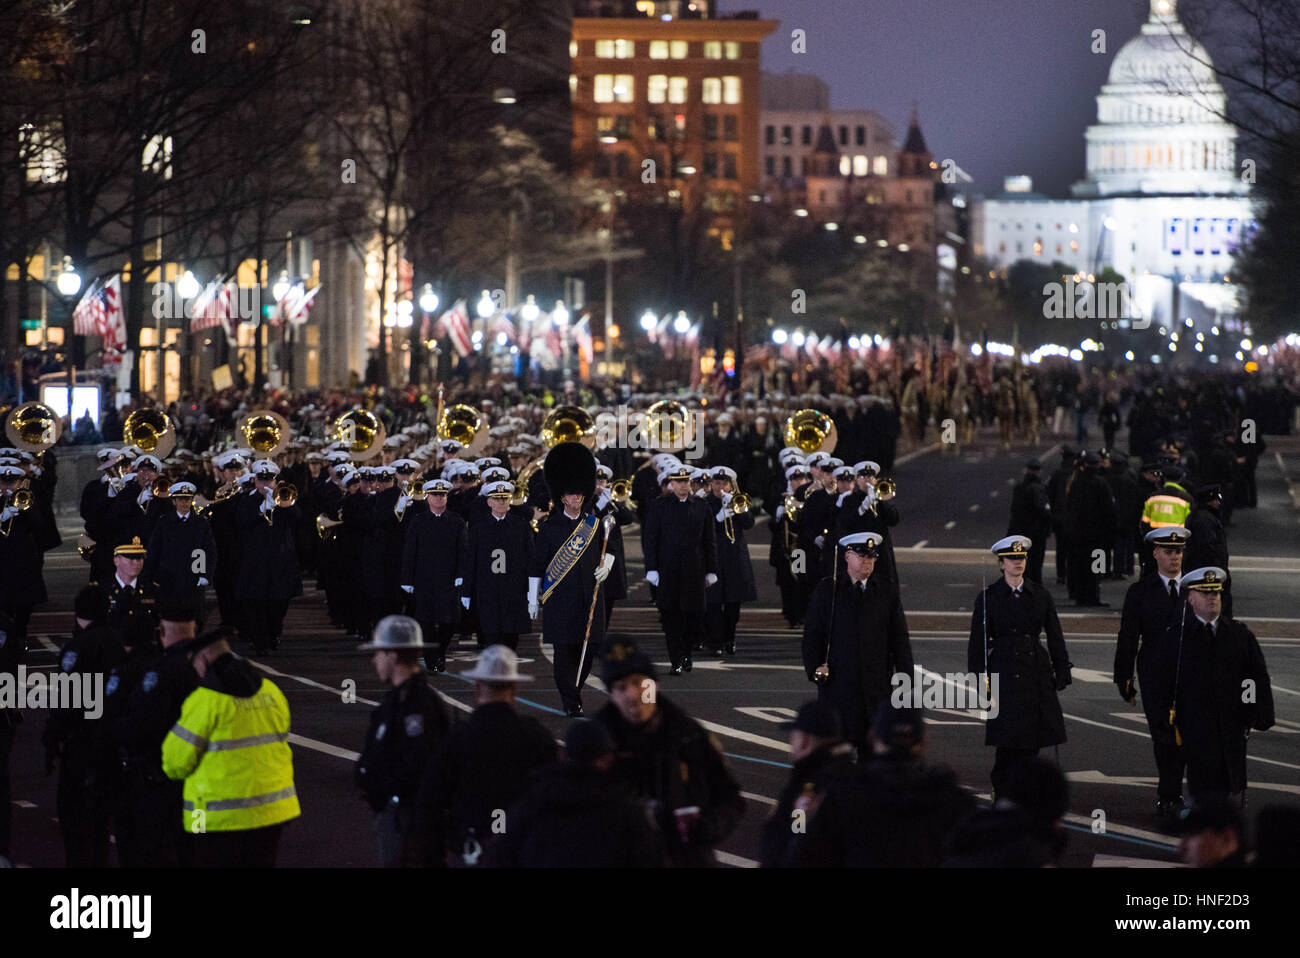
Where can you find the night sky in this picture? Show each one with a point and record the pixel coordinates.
(1002, 86)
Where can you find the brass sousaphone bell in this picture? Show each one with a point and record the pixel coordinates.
(810, 430)
(265, 432)
(669, 425)
(33, 427)
(568, 424)
(361, 432)
(152, 431)
(467, 426)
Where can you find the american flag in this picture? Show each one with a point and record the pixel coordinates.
(582, 338)
(100, 313)
(501, 323)
(552, 337)
(454, 323)
(212, 308)
(296, 305)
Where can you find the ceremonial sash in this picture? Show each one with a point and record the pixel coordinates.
(568, 555)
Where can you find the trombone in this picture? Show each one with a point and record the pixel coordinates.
(21, 500)
(416, 491)
(620, 491)
(326, 527)
(739, 505)
(884, 490)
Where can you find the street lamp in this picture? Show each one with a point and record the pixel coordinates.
(404, 310)
(69, 280)
(561, 315)
(649, 321)
(486, 306)
(428, 299)
(682, 324)
(187, 287)
(530, 310)
(780, 337)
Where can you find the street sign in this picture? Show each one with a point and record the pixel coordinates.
(30, 323)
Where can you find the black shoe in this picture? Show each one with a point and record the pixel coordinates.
(686, 663)
(717, 652)
(731, 648)
(574, 712)
(440, 663)
(676, 670)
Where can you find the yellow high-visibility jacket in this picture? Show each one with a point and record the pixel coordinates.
(232, 749)
(1166, 509)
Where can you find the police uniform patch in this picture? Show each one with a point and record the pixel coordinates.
(379, 732)
(68, 662)
(149, 682)
(415, 725)
(111, 687)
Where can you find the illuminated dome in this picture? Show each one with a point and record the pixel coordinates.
(1158, 128)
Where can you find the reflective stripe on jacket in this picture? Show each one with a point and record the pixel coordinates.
(1166, 510)
(234, 755)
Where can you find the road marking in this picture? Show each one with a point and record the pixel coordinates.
(22, 804)
(768, 713)
(761, 799)
(718, 665)
(915, 454)
(326, 747)
(1123, 861)
(1123, 833)
(744, 736)
(306, 681)
(1095, 777)
(1091, 675)
(950, 523)
(975, 508)
(47, 644)
(1278, 688)
(922, 544)
(736, 861)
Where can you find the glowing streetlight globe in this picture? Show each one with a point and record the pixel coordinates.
(648, 321)
(798, 338)
(486, 306)
(428, 299)
(530, 309)
(780, 337)
(560, 315)
(681, 324)
(187, 287)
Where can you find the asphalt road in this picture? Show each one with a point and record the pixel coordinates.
(953, 505)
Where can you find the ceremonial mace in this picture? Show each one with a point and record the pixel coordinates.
(595, 593)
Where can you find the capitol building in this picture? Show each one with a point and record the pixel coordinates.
(1165, 202)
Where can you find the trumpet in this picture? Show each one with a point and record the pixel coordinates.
(620, 491)
(286, 494)
(885, 489)
(86, 547)
(20, 500)
(326, 527)
(740, 504)
(160, 487)
(792, 505)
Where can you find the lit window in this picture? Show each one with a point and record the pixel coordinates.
(712, 49)
(712, 90)
(677, 89)
(732, 48)
(846, 166)
(731, 89)
(860, 165)
(658, 49)
(880, 166)
(623, 90)
(1074, 246)
(604, 88)
(657, 88)
(615, 49)
(573, 87)
(573, 48)
(677, 49)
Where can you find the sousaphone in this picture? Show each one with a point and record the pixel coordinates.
(33, 427)
(361, 433)
(152, 431)
(265, 432)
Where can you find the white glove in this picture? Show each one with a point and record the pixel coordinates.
(726, 498)
(867, 501)
(459, 583)
(403, 502)
(843, 495)
(533, 607)
(780, 511)
(37, 472)
(408, 589)
(464, 600)
(268, 505)
(8, 513)
(112, 491)
(818, 541)
(710, 580)
(602, 570)
(722, 514)
(652, 578)
(602, 500)
(202, 581)
(144, 496)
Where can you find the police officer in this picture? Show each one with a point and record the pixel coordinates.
(84, 802)
(820, 756)
(1152, 606)
(1221, 689)
(229, 747)
(735, 583)
(433, 556)
(855, 638)
(485, 765)
(269, 574)
(681, 562)
(148, 825)
(182, 555)
(1031, 516)
(1009, 616)
(1169, 505)
(405, 731)
(495, 571)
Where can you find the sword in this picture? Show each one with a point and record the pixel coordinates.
(823, 672)
(595, 593)
(984, 607)
(1178, 671)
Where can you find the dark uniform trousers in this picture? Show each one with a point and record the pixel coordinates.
(682, 630)
(721, 620)
(565, 672)
(508, 639)
(8, 726)
(440, 633)
(1004, 760)
(243, 848)
(263, 621)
